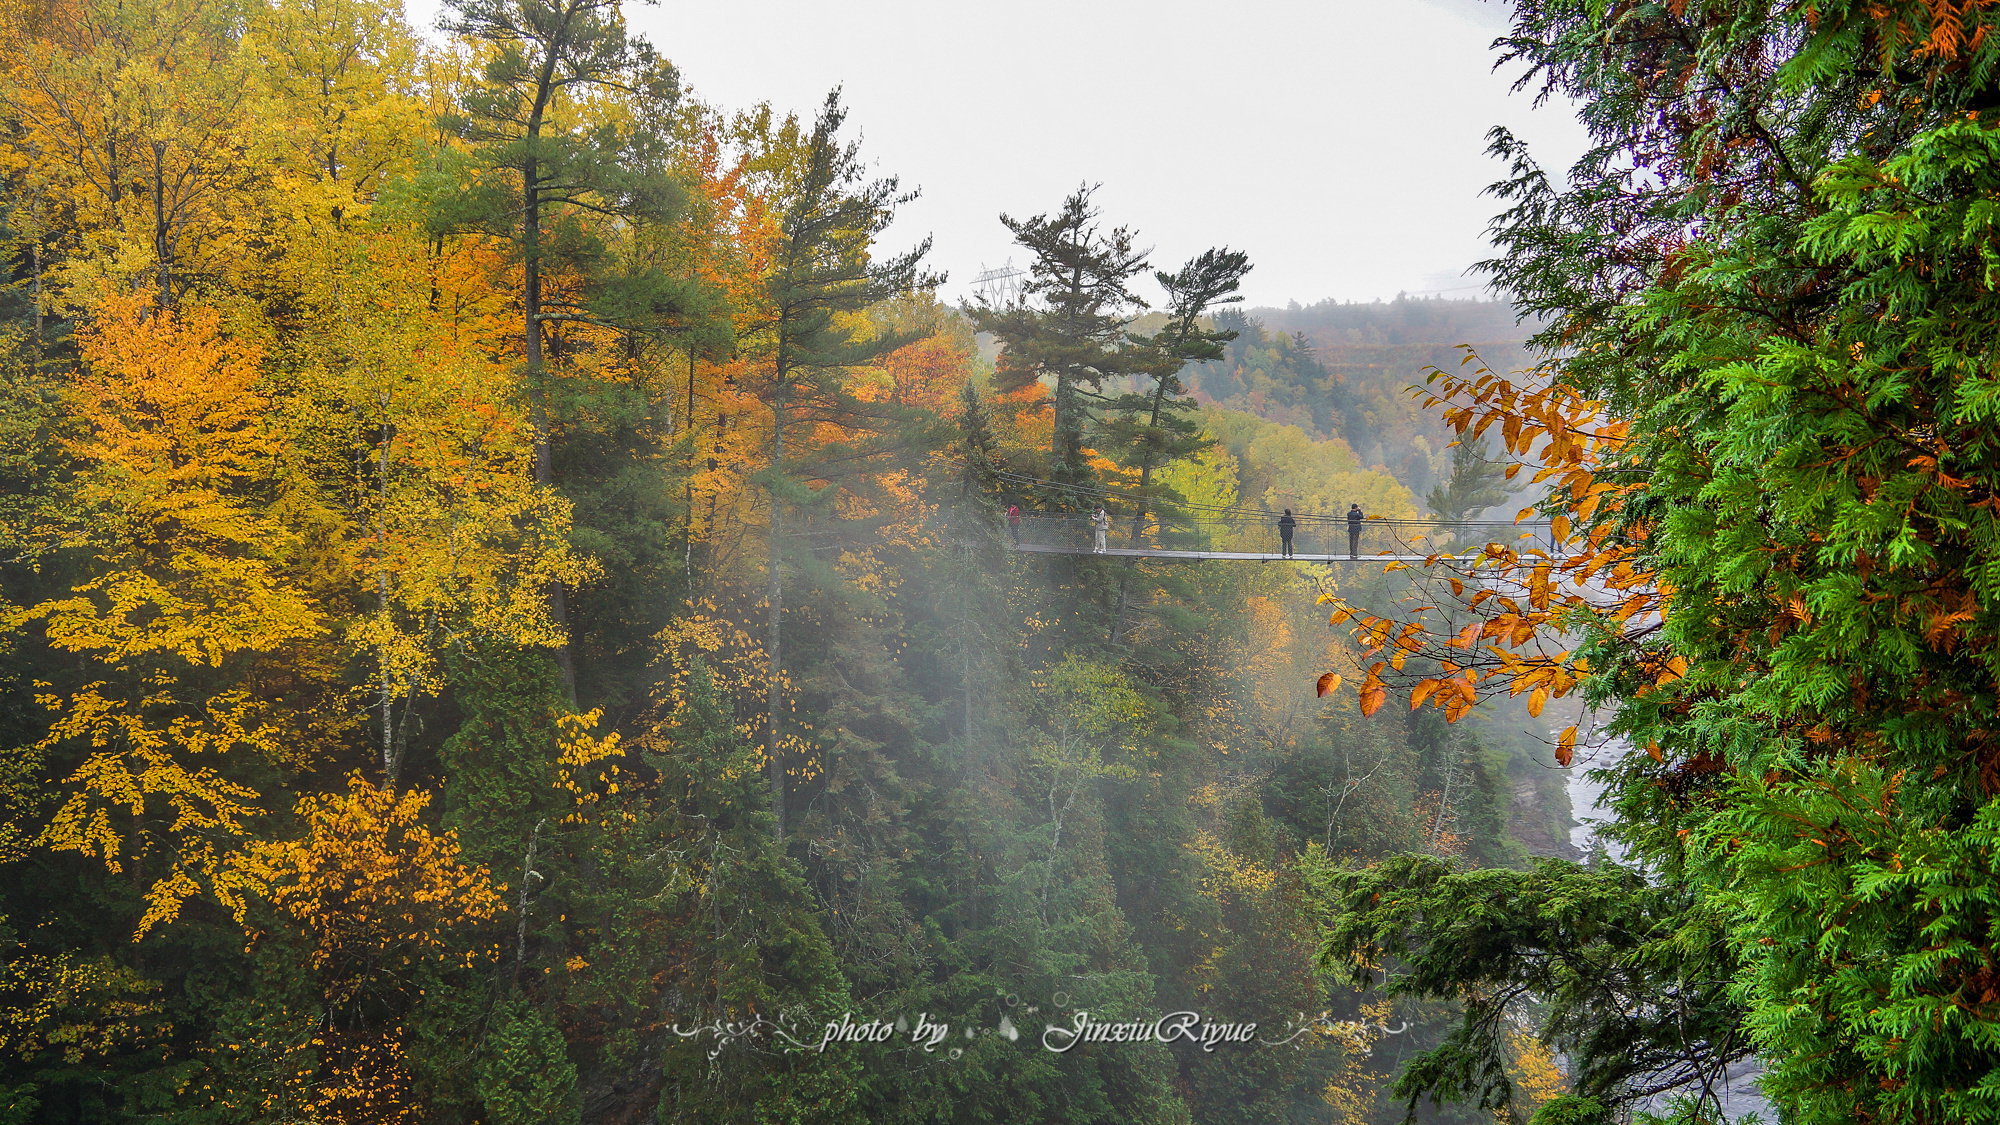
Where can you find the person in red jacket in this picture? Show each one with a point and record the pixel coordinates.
(1014, 522)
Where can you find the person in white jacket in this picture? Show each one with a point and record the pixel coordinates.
(1100, 526)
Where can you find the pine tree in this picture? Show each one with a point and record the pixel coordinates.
(1154, 429)
(1070, 325)
(823, 271)
(976, 441)
(548, 54)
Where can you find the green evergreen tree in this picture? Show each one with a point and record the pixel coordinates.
(1070, 325)
(748, 942)
(825, 267)
(1476, 483)
(1793, 313)
(548, 54)
(976, 442)
(1635, 977)
(1155, 428)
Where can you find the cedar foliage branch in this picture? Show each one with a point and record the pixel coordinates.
(1774, 475)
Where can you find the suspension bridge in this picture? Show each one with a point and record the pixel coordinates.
(1254, 537)
(1153, 527)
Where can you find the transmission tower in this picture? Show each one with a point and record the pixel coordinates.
(998, 286)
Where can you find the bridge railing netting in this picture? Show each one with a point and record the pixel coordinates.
(1315, 535)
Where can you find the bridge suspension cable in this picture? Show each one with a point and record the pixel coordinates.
(1244, 510)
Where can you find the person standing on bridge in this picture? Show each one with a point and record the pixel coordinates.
(1100, 526)
(1354, 518)
(1014, 522)
(1285, 526)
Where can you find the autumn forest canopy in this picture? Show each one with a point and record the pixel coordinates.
(508, 612)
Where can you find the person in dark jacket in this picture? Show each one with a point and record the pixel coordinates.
(1285, 526)
(1354, 518)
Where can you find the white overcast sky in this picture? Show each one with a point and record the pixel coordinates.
(1341, 143)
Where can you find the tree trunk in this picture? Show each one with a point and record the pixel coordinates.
(1060, 440)
(160, 251)
(687, 469)
(538, 400)
(1452, 751)
(523, 903)
(36, 249)
(775, 636)
(1139, 520)
(389, 763)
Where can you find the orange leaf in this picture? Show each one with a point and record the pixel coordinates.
(1373, 692)
(1566, 747)
(1423, 691)
(1329, 682)
(1536, 699)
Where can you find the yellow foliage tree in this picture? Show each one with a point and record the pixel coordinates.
(370, 887)
(1357, 1087)
(129, 118)
(375, 899)
(82, 1008)
(1532, 1066)
(189, 586)
(458, 540)
(337, 79)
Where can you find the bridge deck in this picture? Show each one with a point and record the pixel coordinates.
(1246, 556)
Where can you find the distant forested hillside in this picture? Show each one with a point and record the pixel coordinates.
(1342, 370)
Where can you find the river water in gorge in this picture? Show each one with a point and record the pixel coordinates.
(1740, 1095)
